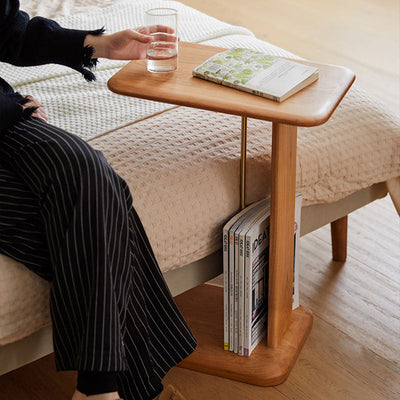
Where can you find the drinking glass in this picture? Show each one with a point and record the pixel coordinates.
(162, 54)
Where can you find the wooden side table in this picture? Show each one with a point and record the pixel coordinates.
(202, 307)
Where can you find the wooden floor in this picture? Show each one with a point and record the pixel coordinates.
(353, 351)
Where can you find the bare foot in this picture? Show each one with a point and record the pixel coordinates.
(104, 396)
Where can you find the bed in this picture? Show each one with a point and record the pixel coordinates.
(182, 165)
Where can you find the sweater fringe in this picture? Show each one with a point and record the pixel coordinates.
(89, 63)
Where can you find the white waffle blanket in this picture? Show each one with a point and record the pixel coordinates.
(182, 165)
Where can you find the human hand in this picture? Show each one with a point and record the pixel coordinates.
(128, 44)
(39, 112)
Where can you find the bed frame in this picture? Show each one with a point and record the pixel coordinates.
(40, 344)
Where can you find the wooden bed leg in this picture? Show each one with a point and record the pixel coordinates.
(339, 239)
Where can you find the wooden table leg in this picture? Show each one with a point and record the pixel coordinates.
(339, 239)
(283, 188)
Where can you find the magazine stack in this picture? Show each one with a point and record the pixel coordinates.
(245, 263)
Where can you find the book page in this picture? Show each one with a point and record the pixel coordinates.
(280, 77)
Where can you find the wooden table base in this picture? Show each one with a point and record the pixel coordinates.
(202, 308)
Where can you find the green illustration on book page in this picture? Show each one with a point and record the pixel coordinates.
(236, 66)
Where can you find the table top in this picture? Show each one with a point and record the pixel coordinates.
(310, 107)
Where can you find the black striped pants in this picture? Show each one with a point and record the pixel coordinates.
(68, 217)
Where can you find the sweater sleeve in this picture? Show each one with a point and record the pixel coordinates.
(11, 109)
(37, 41)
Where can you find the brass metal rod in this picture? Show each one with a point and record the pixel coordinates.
(243, 155)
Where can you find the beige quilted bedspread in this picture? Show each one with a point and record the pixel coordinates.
(183, 170)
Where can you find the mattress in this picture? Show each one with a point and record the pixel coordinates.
(181, 164)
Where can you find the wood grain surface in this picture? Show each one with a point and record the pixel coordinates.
(311, 106)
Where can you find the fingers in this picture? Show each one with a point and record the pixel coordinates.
(39, 112)
(164, 34)
(148, 30)
(141, 36)
(32, 102)
(163, 37)
(162, 45)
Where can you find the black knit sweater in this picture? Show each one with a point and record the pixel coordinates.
(36, 41)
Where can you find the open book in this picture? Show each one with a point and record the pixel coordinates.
(258, 73)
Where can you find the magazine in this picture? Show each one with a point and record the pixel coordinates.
(248, 216)
(242, 238)
(246, 258)
(233, 263)
(228, 256)
(257, 73)
(256, 282)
